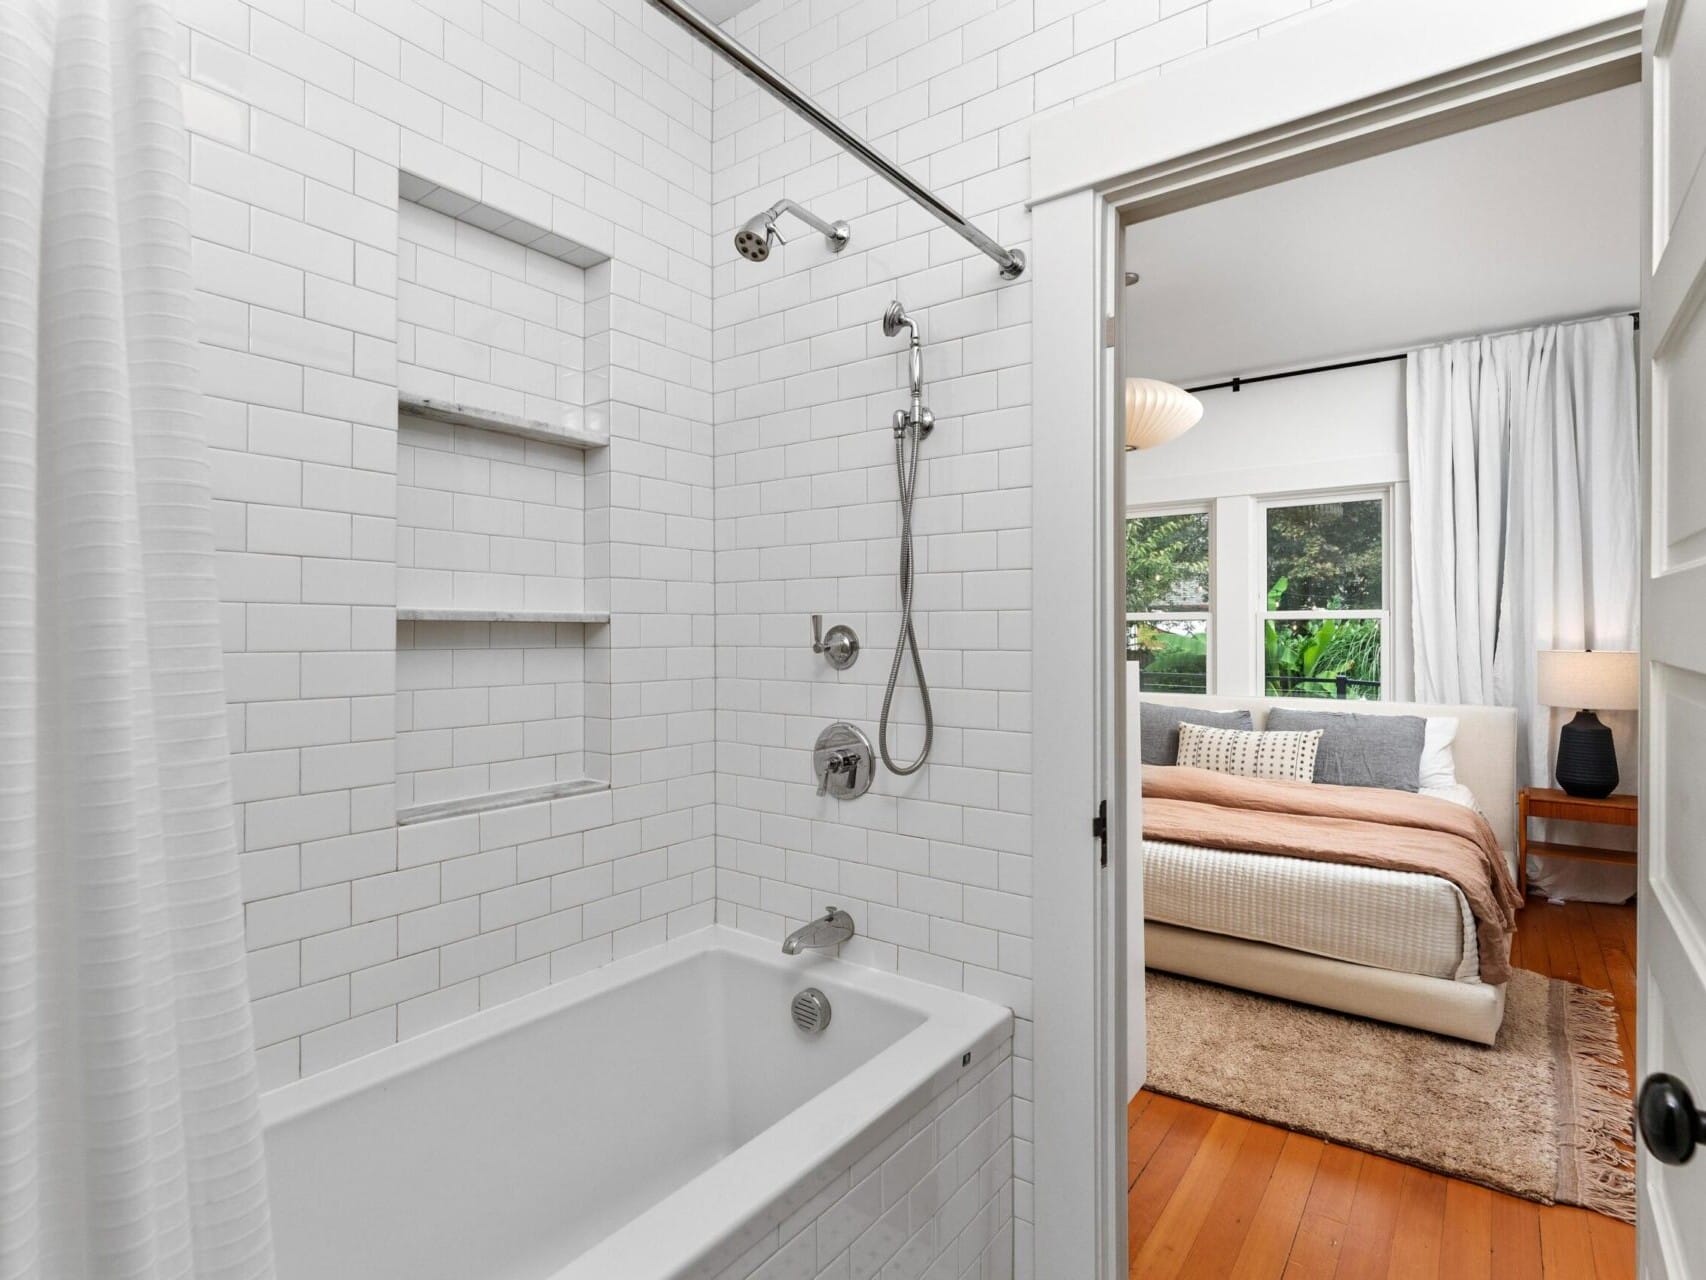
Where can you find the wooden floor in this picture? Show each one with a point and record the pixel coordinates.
(1215, 1195)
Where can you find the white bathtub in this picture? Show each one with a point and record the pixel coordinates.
(651, 1119)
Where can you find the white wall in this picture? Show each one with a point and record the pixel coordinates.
(592, 120)
(1323, 431)
(1525, 220)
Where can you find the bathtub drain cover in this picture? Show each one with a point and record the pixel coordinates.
(811, 1011)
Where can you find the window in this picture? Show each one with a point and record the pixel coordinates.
(1325, 621)
(1168, 601)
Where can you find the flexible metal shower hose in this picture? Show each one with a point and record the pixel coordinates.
(907, 638)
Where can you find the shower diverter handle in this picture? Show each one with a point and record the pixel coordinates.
(843, 761)
(848, 763)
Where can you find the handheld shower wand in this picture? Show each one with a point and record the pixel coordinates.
(914, 423)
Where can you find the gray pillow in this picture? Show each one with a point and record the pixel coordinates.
(1362, 750)
(1160, 727)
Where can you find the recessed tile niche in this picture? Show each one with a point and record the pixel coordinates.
(502, 390)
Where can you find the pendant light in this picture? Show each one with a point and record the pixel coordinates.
(1156, 412)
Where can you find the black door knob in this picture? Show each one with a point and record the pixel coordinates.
(1671, 1125)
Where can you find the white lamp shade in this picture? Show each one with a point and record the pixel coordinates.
(1156, 412)
(1589, 680)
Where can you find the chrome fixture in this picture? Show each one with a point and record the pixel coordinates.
(832, 930)
(1011, 261)
(843, 762)
(840, 647)
(910, 424)
(753, 239)
(894, 320)
(810, 1010)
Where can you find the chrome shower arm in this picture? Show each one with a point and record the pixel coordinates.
(1011, 261)
(836, 233)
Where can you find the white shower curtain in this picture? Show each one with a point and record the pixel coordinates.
(1524, 518)
(130, 1141)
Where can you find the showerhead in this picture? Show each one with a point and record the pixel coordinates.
(895, 319)
(754, 238)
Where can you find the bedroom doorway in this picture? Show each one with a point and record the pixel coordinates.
(1218, 159)
(1339, 967)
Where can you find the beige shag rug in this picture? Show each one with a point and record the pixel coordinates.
(1544, 1113)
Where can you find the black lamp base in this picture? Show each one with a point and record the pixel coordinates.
(1587, 762)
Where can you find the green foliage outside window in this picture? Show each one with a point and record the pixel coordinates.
(1166, 562)
(1327, 556)
(1167, 572)
(1320, 658)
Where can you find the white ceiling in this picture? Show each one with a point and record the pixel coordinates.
(1530, 219)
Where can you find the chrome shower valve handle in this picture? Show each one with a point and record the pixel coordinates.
(840, 647)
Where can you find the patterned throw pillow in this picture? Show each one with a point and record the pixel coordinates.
(1290, 756)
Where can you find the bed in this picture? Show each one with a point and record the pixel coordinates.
(1394, 945)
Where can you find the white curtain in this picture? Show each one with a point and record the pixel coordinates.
(1524, 519)
(130, 1142)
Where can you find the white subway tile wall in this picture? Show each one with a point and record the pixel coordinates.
(590, 121)
(936, 868)
(932, 1201)
(486, 520)
(488, 706)
(486, 322)
(603, 123)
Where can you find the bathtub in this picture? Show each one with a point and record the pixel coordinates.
(659, 1117)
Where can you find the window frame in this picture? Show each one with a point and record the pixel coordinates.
(1206, 615)
(1385, 615)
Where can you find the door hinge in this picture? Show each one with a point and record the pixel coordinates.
(1099, 829)
(1110, 331)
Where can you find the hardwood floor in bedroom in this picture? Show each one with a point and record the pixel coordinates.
(1216, 1195)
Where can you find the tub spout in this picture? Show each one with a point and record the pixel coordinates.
(832, 930)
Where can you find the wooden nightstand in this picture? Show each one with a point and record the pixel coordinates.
(1546, 802)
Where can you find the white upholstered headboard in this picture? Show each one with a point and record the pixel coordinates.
(1485, 747)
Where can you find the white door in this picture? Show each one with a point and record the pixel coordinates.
(1671, 1051)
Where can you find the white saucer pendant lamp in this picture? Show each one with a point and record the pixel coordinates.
(1156, 412)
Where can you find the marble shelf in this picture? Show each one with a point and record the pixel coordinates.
(412, 614)
(462, 415)
(490, 800)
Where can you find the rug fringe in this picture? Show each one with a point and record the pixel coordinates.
(1596, 1139)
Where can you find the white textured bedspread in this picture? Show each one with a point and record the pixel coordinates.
(1389, 919)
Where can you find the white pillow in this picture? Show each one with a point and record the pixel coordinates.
(1439, 760)
(1289, 755)
(1456, 793)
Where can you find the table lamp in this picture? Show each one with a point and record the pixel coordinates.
(1590, 680)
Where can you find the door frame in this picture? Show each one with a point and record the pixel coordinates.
(1359, 78)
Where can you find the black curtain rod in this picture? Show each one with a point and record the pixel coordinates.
(1237, 384)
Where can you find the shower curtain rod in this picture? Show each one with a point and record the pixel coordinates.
(1238, 384)
(1011, 261)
